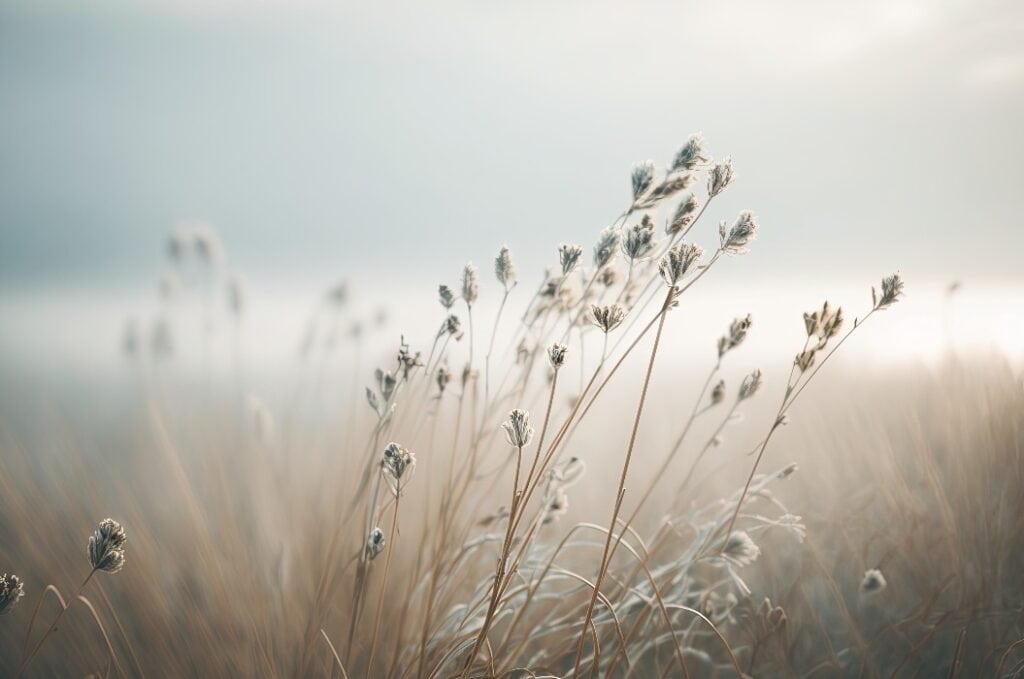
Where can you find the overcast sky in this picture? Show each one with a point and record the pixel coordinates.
(361, 137)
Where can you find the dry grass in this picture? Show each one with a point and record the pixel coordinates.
(419, 537)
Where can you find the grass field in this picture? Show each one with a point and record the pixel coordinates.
(545, 490)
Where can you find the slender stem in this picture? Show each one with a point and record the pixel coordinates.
(384, 584)
(53, 626)
(787, 401)
(622, 482)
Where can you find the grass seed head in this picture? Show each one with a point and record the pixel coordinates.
(678, 262)
(518, 431)
(736, 239)
(106, 546)
(690, 155)
(11, 589)
(604, 249)
(642, 178)
(446, 296)
(720, 177)
(873, 581)
(741, 549)
(750, 385)
(556, 354)
(375, 543)
(569, 257)
(683, 215)
(607, 317)
(470, 284)
(505, 268)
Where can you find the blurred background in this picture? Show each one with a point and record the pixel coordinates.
(385, 145)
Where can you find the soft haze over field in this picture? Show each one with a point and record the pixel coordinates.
(390, 144)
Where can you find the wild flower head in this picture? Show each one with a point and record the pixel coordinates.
(720, 177)
(638, 240)
(569, 257)
(11, 589)
(556, 354)
(607, 317)
(604, 249)
(679, 261)
(735, 240)
(375, 543)
(741, 549)
(738, 330)
(683, 216)
(470, 284)
(892, 290)
(873, 581)
(518, 431)
(446, 296)
(504, 268)
(750, 385)
(690, 155)
(106, 546)
(398, 462)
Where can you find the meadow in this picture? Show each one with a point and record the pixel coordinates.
(539, 491)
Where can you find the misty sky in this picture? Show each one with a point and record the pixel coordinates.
(409, 137)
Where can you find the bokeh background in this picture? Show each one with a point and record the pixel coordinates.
(386, 144)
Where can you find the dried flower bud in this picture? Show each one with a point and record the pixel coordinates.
(683, 216)
(397, 461)
(504, 268)
(451, 326)
(470, 284)
(375, 543)
(407, 361)
(892, 290)
(608, 277)
(678, 262)
(11, 589)
(740, 549)
(607, 317)
(446, 296)
(638, 240)
(873, 581)
(106, 546)
(386, 383)
(737, 333)
(672, 185)
(518, 431)
(569, 257)
(444, 376)
(604, 249)
(736, 239)
(643, 175)
(556, 505)
(692, 153)
(805, 360)
(718, 393)
(556, 354)
(720, 177)
(750, 385)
